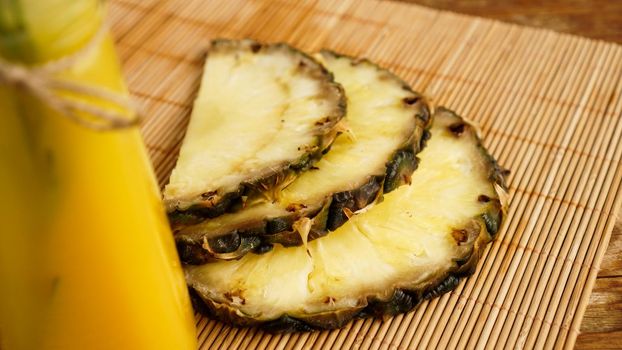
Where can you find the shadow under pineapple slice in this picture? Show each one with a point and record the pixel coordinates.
(414, 245)
(263, 114)
(387, 123)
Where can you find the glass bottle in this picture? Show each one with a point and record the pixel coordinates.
(87, 260)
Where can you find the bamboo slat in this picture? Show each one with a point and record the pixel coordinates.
(549, 106)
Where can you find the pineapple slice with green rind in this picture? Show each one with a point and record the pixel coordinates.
(264, 113)
(415, 244)
(387, 123)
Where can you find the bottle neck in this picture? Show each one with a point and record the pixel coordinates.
(38, 31)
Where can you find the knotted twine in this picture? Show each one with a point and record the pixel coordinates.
(41, 81)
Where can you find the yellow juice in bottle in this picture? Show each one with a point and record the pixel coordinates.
(87, 260)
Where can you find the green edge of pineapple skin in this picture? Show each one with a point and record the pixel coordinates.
(402, 300)
(267, 232)
(330, 129)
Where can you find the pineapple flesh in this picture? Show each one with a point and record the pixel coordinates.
(415, 244)
(387, 124)
(263, 114)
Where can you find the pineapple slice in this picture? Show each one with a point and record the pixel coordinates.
(414, 245)
(387, 123)
(263, 114)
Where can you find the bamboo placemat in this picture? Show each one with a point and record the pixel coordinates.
(549, 106)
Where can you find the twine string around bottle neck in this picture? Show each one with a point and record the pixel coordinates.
(43, 83)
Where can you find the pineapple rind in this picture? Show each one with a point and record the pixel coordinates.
(312, 111)
(464, 243)
(258, 227)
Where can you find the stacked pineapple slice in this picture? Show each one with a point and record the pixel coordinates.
(311, 231)
(263, 114)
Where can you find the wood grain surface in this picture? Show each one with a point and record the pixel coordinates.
(598, 19)
(602, 323)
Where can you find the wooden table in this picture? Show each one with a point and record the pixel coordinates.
(599, 19)
(602, 324)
